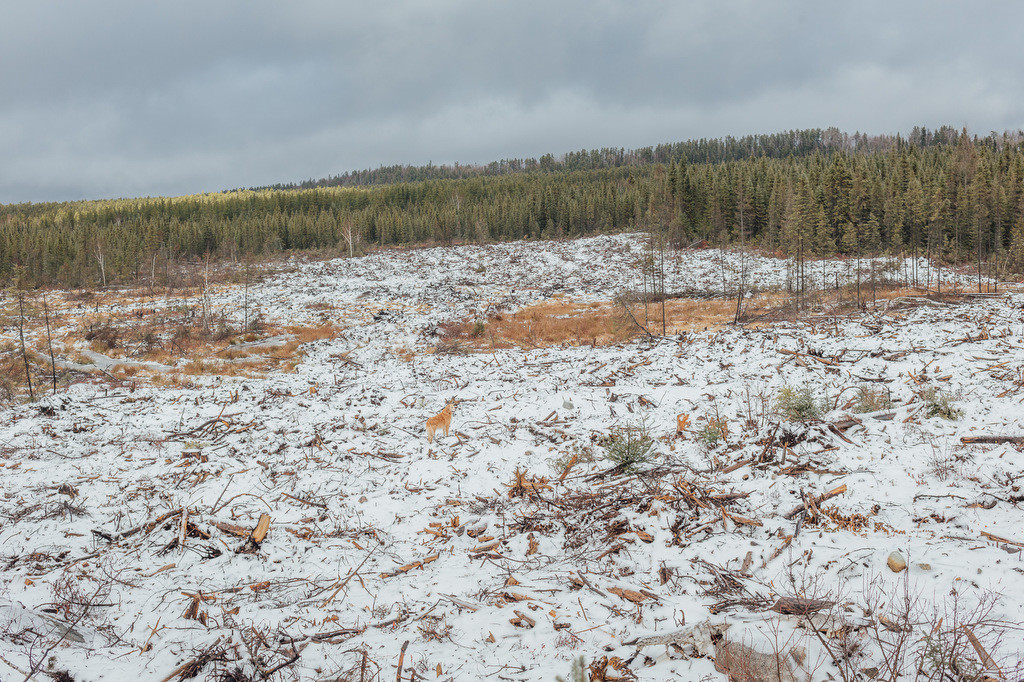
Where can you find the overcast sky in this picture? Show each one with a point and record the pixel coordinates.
(115, 98)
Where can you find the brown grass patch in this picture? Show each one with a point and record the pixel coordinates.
(171, 380)
(236, 353)
(222, 360)
(304, 334)
(204, 351)
(404, 353)
(560, 321)
(123, 371)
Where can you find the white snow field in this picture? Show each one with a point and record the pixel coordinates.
(123, 506)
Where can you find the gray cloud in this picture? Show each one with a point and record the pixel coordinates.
(119, 98)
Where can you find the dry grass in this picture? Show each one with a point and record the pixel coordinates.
(224, 360)
(179, 338)
(135, 326)
(404, 353)
(560, 321)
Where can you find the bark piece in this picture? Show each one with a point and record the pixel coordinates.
(257, 536)
(798, 606)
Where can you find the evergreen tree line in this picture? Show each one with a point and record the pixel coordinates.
(941, 194)
(776, 145)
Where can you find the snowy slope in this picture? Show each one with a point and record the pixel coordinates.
(378, 538)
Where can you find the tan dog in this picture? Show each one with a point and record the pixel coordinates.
(441, 420)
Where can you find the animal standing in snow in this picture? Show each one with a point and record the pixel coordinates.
(441, 420)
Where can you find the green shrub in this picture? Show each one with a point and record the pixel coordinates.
(630, 447)
(938, 403)
(798, 404)
(578, 673)
(870, 399)
(713, 433)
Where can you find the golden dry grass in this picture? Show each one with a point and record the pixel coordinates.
(165, 337)
(560, 321)
(224, 360)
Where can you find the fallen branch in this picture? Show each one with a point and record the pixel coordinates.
(192, 667)
(401, 660)
(993, 440)
(343, 583)
(996, 538)
(147, 527)
(815, 501)
(985, 658)
(310, 503)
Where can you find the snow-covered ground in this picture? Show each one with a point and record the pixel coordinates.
(383, 548)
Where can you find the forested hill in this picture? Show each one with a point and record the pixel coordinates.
(798, 143)
(807, 193)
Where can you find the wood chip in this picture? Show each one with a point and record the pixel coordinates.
(629, 595)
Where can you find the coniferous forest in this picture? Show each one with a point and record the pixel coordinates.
(938, 193)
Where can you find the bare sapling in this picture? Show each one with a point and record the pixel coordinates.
(49, 344)
(21, 334)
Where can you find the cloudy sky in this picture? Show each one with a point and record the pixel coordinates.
(113, 98)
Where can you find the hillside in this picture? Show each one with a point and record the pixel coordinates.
(235, 483)
(805, 194)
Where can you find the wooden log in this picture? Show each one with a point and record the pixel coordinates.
(733, 467)
(257, 536)
(992, 440)
(799, 606)
(743, 520)
(628, 595)
(983, 655)
(522, 620)
(230, 528)
(401, 660)
(183, 530)
(259, 533)
(996, 538)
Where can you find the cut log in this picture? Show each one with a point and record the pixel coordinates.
(798, 606)
(996, 538)
(993, 440)
(257, 536)
(522, 620)
(183, 529)
(733, 467)
(259, 533)
(983, 655)
(230, 528)
(628, 595)
(743, 520)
